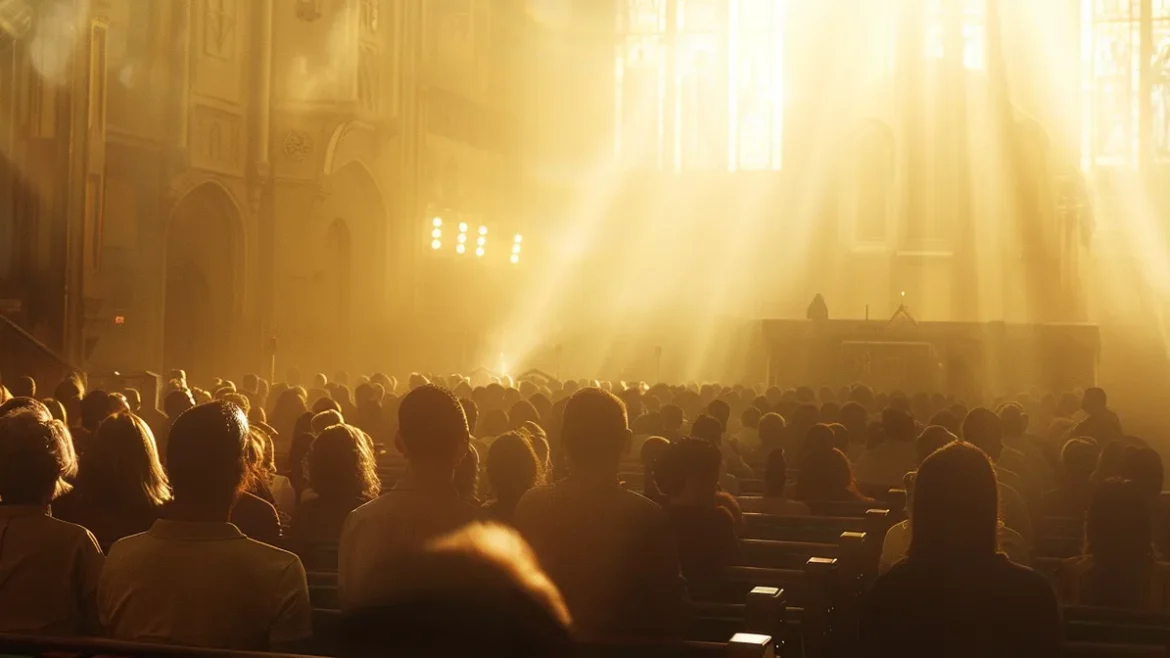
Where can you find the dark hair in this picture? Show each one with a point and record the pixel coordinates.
(341, 466)
(672, 417)
(955, 507)
(931, 439)
(521, 413)
(56, 409)
(513, 466)
(982, 429)
(595, 429)
(25, 387)
(825, 475)
(772, 430)
(96, 406)
(707, 428)
(750, 417)
(686, 460)
(494, 423)
(898, 425)
(1143, 467)
(1078, 460)
(1118, 535)
(207, 452)
(721, 411)
(121, 468)
(1013, 420)
(432, 425)
(776, 474)
(176, 402)
(36, 453)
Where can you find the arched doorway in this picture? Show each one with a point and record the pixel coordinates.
(201, 282)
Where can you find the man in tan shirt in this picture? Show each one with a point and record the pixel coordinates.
(610, 551)
(194, 578)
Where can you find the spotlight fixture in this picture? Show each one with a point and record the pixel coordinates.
(461, 238)
(518, 239)
(516, 249)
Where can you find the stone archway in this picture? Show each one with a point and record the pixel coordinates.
(202, 280)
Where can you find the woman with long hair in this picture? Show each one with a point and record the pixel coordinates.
(512, 469)
(121, 486)
(1119, 568)
(955, 594)
(343, 475)
(825, 476)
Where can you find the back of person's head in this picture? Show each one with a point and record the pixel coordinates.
(513, 466)
(772, 429)
(818, 437)
(1143, 466)
(480, 584)
(494, 423)
(326, 404)
(803, 417)
(707, 428)
(652, 449)
(776, 474)
(672, 417)
(432, 426)
(897, 424)
(825, 475)
(341, 466)
(70, 389)
(133, 398)
(981, 428)
(36, 454)
(931, 439)
(946, 418)
(25, 387)
(720, 410)
(595, 430)
(207, 453)
(750, 418)
(856, 418)
(1013, 420)
(325, 419)
(95, 407)
(522, 412)
(56, 410)
(14, 405)
(1078, 460)
(121, 467)
(176, 402)
(1094, 400)
(471, 410)
(238, 399)
(1119, 537)
(690, 468)
(955, 507)
(1111, 461)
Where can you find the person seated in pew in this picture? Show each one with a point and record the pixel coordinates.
(775, 499)
(1074, 490)
(48, 568)
(120, 487)
(773, 434)
(478, 590)
(1119, 568)
(651, 453)
(981, 428)
(688, 474)
(711, 430)
(610, 551)
(955, 594)
(825, 476)
(194, 579)
(888, 462)
(343, 474)
(897, 539)
(1143, 466)
(1035, 468)
(512, 469)
(433, 434)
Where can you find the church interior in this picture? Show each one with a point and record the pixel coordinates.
(631, 189)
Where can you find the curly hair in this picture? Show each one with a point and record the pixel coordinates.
(36, 454)
(341, 465)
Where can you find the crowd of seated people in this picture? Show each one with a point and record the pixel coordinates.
(506, 509)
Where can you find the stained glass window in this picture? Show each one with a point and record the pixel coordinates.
(699, 83)
(1113, 29)
(974, 32)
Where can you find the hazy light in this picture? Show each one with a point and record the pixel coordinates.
(515, 248)
(437, 233)
(459, 248)
(481, 241)
(461, 238)
(479, 251)
(437, 222)
(483, 230)
(518, 239)
(515, 259)
(462, 227)
(436, 244)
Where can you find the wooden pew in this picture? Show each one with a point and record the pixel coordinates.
(741, 645)
(1059, 537)
(88, 647)
(875, 524)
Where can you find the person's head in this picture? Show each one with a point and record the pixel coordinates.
(341, 466)
(320, 381)
(321, 421)
(522, 412)
(945, 418)
(1013, 420)
(776, 474)
(595, 431)
(23, 387)
(471, 411)
(688, 472)
(238, 399)
(133, 399)
(480, 584)
(1143, 467)
(513, 466)
(176, 402)
(466, 477)
(1078, 460)
(494, 423)
(1119, 537)
(721, 411)
(955, 507)
(981, 428)
(56, 410)
(121, 467)
(772, 430)
(932, 439)
(818, 437)
(36, 455)
(325, 404)
(14, 405)
(825, 475)
(750, 418)
(652, 450)
(540, 446)
(95, 407)
(707, 428)
(207, 455)
(672, 418)
(432, 429)
(897, 425)
(1093, 401)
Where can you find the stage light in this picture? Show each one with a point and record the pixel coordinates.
(461, 238)
(462, 227)
(479, 251)
(515, 258)
(437, 222)
(483, 230)
(518, 239)
(436, 244)
(437, 233)
(459, 248)
(481, 241)
(515, 248)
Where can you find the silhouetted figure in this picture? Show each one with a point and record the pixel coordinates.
(954, 594)
(610, 551)
(688, 474)
(1102, 424)
(48, 568)
(825, 476)
(1070, 499)
(981, 428)
(343, 476)
(887, 463)
(775, 499)
(818, 309)
(512, 469)
(194, 578)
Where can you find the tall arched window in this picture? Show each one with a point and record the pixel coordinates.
(974, 32)
(1111, 46)
(699, 84)
(1160, 82)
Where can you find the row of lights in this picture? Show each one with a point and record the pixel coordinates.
(461, 240)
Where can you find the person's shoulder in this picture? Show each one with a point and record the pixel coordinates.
(68, 531)
(268, 555)
(1024, 580)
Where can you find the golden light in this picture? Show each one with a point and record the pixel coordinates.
(515, 259)
(436, 244)
(481, 241)
(437, 222)
(459, 248)
(483, 230)
(515, 248)
(479, 251)
(462, 227)
(461, 238)
(518, 239)
(437, 233)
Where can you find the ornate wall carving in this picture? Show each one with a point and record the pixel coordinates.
(219, 28)
(217, 140)
(298, 145)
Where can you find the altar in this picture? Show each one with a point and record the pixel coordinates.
(969, 359)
